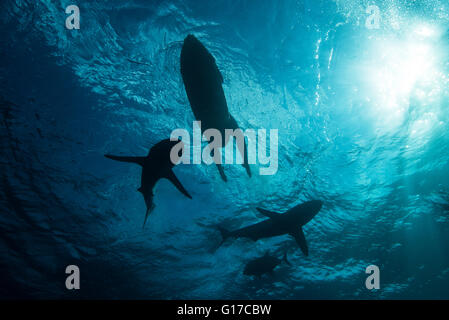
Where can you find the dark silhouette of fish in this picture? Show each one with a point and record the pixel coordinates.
(263, 265)
(203, 84)
(290, 222)
(156, 165)
(137, 62)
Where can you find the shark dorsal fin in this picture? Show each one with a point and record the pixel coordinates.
(267, 213)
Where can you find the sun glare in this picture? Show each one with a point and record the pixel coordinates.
(401, 67)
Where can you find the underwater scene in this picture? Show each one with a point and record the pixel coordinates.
(197, 149)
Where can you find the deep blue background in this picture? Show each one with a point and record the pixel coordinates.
(362, 116)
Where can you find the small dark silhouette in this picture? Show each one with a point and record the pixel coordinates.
(278, 224)
(203, 84)
(137, 62)
(263, 265)
(156, 165)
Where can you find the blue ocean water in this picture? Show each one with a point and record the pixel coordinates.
(359, 95)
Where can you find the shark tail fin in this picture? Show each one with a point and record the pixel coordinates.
(284, 258)
(137, 160)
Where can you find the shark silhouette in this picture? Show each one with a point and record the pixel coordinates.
(156, 165)
(290, 222)
(262, 265)
(203, 84)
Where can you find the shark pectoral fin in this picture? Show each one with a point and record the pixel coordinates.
(171, 176)
(222, 174)
(137, 160)
(217, 71)
(146, 217)
(301, 241)
(269, 214)
(150, 205)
